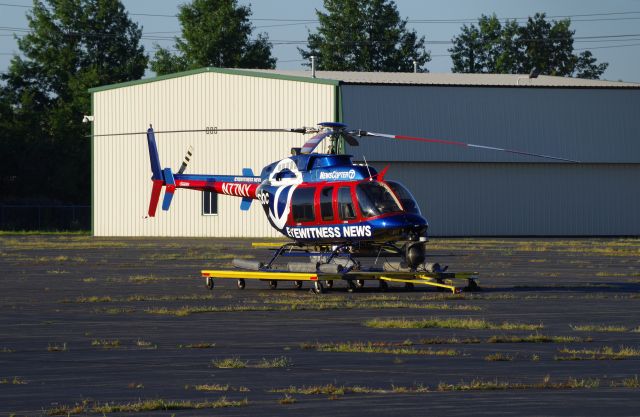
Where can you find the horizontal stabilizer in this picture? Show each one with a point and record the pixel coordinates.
(171, 188)
(245, 204)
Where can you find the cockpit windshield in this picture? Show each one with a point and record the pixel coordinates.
(406, 199)
(375, 199)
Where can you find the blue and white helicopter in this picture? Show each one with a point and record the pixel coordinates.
(334, 212)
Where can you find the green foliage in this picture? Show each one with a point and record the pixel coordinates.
(509, 48)
(214, 33)
(364, 35)
(73, 45)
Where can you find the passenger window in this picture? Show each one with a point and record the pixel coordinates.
(345, 204)
(326, 203)
(302, 205)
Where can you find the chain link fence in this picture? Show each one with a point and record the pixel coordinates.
(44, 218)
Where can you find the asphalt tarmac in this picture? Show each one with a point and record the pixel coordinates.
(87, 322)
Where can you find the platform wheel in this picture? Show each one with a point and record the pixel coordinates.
(273, 284)
(317, 287)
(209, 283)
(352, 286)
(297, 284)
(360, 283)
(241, 284)
(409, 286)
(328, 283)
(383, 286)
(472, 286)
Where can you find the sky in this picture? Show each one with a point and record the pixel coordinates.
(611, 29)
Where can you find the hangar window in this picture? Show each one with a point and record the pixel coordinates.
(209, 203)
(345, 204)
(302, 205)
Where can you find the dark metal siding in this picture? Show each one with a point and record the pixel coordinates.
(487, 199)
(467, 192)
(591, 125)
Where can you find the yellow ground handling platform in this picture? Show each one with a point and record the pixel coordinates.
(444, 281)
(323, 276)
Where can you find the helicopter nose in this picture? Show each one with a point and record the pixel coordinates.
(416, 226)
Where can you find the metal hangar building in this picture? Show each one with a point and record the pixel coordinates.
(462, 192)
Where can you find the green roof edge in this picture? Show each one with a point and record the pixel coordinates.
(230, 71)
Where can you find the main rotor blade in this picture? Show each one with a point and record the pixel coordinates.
(350, 139)
(215, 130)
(314, 141)
(462, 144)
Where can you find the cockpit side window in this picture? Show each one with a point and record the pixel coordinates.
(375, 199)
(345, 204)
(302, 205)
(409, 203)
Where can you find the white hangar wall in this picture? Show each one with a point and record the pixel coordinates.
(466, 192)
(195, 100)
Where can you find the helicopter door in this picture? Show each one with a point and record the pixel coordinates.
(346, 207)
(302, 207)
(326, 204)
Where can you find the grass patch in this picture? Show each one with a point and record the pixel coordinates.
(449, 341)
(280, 362)
(264, 363)
(603, 353)
(106, 343)
(537, 338)
(230, 363)
(117, 310)
(499, 357)
(145, 279)
(403, 348)
(631, 382)
(145, 344)
(188, 310)
(7, 350)
(93, 299)
(57, 348)
(287, 399)
(217, 388)
(59, 258)
(198, 346)
(492, 385)
(449, 323)
(16, 380)
(297, 304)
(598, 328)
(88, 280)
(142, 406)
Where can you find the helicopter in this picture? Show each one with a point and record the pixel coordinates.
(334, 211)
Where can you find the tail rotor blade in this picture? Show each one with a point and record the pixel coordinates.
(155, 196)
(187, 159)
(463, 145)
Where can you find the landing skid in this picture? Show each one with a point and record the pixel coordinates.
(338, 264)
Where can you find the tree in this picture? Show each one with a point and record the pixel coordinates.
(215, 33)
(73, 45)
(364, 35)
(513, 49)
